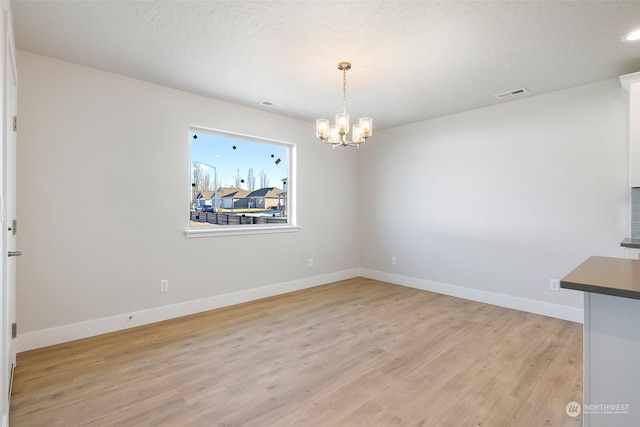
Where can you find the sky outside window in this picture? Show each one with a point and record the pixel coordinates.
(229, 154)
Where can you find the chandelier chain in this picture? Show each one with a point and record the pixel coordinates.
(344, 90)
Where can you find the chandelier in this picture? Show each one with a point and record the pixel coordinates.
(337, 134)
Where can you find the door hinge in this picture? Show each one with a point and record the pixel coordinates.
(15, 123)
(14, 227)
(14, 330)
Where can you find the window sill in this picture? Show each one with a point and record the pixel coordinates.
(239, 231)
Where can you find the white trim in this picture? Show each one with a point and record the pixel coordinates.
(523, 304)
(629, 79)
(5, 421)
(32, 340)
(239, 231)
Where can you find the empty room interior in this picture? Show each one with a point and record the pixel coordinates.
(321, 213)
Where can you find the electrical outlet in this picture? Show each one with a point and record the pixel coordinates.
(394, 260)
(554, 285)
(310, 262)
(164, 285)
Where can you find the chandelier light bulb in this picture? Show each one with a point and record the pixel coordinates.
(334, 135)
(366, 124)
(322, 128)
(357, 134)
(342, 123)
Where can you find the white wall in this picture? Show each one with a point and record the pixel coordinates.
(103, 185)
(501, 199)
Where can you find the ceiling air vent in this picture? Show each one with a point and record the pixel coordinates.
(511, 93)
(271, 105)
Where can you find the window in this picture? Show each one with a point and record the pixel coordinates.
(239, 184)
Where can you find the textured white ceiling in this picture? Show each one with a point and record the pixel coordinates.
(412, 60)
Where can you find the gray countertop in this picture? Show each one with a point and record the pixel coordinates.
(630, 242)
(609, 276)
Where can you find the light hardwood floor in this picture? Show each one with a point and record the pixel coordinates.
(352, 353)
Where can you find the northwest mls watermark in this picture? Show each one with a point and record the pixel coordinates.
(574, 409)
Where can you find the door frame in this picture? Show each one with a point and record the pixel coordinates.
(7, 296)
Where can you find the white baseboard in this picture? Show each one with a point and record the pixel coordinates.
(43, 338)
(523, 304)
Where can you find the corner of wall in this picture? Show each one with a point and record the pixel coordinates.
(557, 311)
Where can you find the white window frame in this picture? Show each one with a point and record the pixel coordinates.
(245, 229)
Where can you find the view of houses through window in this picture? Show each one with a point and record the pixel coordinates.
(237, 180)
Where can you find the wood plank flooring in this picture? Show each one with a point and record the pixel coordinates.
(354, 353)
